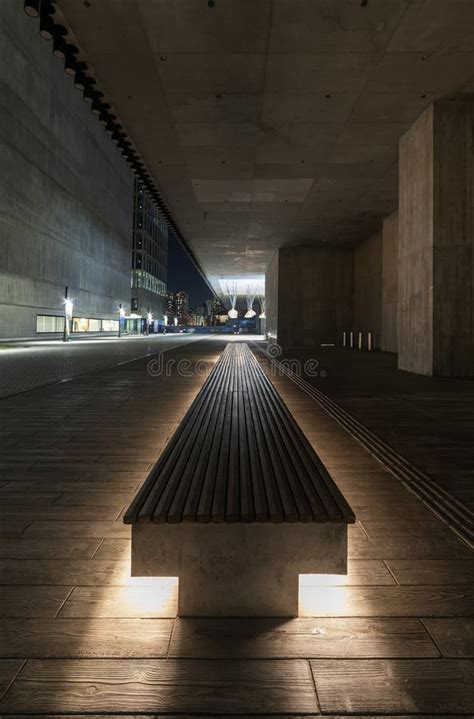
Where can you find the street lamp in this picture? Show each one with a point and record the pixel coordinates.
(68, 308)
(121, 316)
(175, 321)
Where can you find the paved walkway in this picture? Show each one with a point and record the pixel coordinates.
(27, 366)
(78, 635)
(429, 421)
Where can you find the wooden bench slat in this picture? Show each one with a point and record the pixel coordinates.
(238, 455)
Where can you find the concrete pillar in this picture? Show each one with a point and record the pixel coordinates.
(436, 230)
(389, 282)
(309, 296)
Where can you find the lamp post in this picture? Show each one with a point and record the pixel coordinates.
(121, 316)
(68, 307)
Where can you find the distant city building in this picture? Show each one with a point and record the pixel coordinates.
(177, 305)
(216, 312)
(182, 307)
(149, 257)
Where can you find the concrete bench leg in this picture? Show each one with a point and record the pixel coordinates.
(238, 569)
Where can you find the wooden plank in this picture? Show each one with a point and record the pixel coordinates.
(454, 636)
(9, 668)
(300, 638)
(388, 601)
(158, 600)
(58, 572)
(433, 571)
(97, 637)
(173, 686)
(77, 528)
(47, 548)
(31, 601)
(395, 686)
(363, 572)
(408, 547)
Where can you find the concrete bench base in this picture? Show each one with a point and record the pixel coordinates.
(238, 569)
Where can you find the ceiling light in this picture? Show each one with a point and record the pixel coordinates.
(89, 93)
(59, 47)
(70, 62)
(97, 105)
(32, 7)
(46, 21)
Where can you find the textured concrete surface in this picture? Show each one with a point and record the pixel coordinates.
(270, 123)
(312, 295)
(368, 289)
(390, 283)
(65, 190)
(238, 569)
(436, 226)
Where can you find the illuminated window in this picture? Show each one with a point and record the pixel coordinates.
(49, 323)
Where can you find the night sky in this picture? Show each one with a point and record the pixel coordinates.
(182, 275)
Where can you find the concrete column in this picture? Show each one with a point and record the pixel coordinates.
(436, 230)
(389, 282)
(309, 296)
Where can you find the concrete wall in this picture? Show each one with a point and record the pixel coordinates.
(65, 192)
(271, 297)
(368, 288)
(313, 289)
(389, 283)
(436, 229)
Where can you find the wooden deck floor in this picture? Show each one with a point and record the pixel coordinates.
(78, 635)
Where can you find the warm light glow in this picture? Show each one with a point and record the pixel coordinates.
(319, 597)
(233, 314)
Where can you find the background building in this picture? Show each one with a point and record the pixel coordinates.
(149, 256)
(66, 196)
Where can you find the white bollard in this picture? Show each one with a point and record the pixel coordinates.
(359, 344)
(351, 340)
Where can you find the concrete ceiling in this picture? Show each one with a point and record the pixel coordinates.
(274, 122)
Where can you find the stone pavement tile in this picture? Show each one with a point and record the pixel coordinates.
(58, 572)
(77, 528)
(96, 637)
(51, 512)
(95, 499)
(31, 601)
(300, 638)
(389, 601)
(433, 571)
(362, 572)
(408, 547)
(8, 670)
(163, 686)
(454, 637)
(47, 548)
(395, 685)
(155, 598)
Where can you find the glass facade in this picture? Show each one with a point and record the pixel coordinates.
(150, 245)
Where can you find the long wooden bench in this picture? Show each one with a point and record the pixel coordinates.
(238, 504)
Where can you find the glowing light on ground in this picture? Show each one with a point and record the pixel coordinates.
(315, 602)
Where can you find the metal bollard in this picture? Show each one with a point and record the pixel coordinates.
(351, 340)
(344, 343)
(369, 341)
(360, 341)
